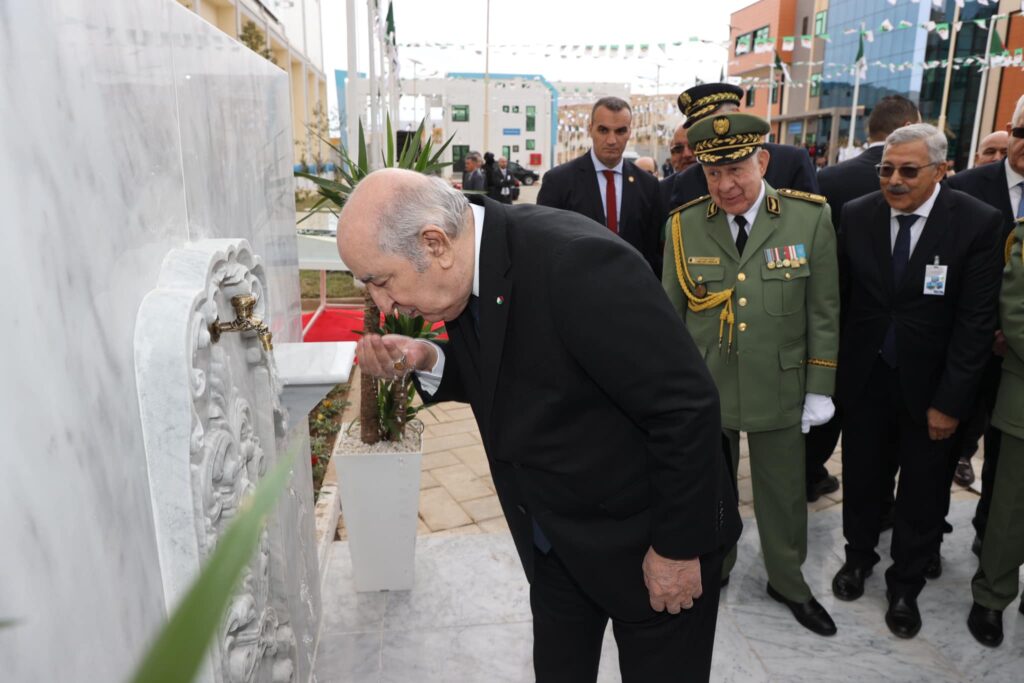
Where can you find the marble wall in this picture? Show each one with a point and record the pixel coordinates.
(127, 128)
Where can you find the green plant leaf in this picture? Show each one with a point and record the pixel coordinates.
(179, 648)
(8, 623)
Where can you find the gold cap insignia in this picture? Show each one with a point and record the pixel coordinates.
(720, 125)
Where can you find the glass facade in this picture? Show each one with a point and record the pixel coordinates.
(898, 47)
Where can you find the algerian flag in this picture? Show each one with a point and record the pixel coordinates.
(1018, 55)
(960, 4)
(806, 42)
(389, 24)
(870, 35)
(861, 64)
(980, 23)
(886, 26)
(781, 65)
(943, 30)
(904, 24)
(743, 45)
(788, 44)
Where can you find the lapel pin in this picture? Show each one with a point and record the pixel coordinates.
(631, 179)
(500, 300)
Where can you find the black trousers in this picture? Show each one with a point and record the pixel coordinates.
(878, 431)
(568, 627)
(820, 442)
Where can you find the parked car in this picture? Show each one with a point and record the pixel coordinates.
(522, 174)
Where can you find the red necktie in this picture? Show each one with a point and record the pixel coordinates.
(609, 200)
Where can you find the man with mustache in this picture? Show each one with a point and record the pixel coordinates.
(919, 277)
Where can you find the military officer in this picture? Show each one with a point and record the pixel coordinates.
(753, 272)
(790, 166)
(996, 583)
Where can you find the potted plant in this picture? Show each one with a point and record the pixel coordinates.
(378, 474)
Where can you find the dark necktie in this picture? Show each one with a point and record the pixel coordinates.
(900, 258)
(741, 233)
(610, 211)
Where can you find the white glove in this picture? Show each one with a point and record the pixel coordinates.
(818, 409)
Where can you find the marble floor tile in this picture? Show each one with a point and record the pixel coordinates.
(344, 610)
(468, 619)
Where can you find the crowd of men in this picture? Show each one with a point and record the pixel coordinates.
(889, 309)
(493, 178)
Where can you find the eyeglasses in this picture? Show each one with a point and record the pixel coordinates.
(1017, 132)
(886, 170)
(679, 149)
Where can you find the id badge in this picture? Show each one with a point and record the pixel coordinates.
(935, 279)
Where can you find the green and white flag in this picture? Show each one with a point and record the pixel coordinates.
(943, 30)
(886, 26)
(861, 63)
(788, 44)
(806, 42)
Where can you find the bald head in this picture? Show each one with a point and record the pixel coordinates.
(648, 164)
(992, 148)
(409, 238)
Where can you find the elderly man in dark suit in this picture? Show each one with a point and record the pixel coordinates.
(1000, 186)
(919, 280)
(606, 188)
(841, 183)
(605, 450)
(789, 168)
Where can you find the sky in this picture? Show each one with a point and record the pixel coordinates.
(526, 35)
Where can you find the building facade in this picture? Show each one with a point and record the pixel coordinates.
(288, 35)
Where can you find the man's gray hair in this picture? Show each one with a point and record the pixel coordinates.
(1018, 113)
(931, 136)
(413, 206)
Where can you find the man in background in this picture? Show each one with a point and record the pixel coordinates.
(840, 184)
(992, 148)
(681, 159)
(473, 177)
(606, 188)
(647, 164)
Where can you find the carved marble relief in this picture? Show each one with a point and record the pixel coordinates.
(212, 418)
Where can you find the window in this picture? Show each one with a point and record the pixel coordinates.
(459, 153)
(531, 118)
(804, 31)
(515, 109)
(750, 96)
(460, 113)
(531, 144)
(775, 92)
(821, 22)
(515, 148)
(506, 151)
(504, 108)
(761, 34)
(743, 44)
(815, 85)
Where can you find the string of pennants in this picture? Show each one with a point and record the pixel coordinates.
(744, 44)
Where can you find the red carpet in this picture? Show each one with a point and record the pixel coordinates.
(338, 325)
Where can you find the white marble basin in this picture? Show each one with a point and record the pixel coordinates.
(307, 371)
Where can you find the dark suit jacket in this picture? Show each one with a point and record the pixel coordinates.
(573, 186)
(611, 441)
(849, 180)
(987, 183)
(942, 342)
(789, 167)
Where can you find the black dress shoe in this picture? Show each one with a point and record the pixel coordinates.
(848, 583)
(810, 614)
(976, 546)
(986, 625)
(933, 569)
(903, 617)
(827, 484)
(964, 475)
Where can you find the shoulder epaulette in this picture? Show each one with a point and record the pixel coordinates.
(692, 202)
(806, 196)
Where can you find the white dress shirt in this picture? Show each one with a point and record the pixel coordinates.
(750, 215)
(602, 183)
(918, 227)
(430, 381)
(1013, 181)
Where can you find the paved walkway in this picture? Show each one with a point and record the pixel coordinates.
(457, 494)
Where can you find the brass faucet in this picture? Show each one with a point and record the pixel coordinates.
(243, 322)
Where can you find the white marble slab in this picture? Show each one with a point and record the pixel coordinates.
(109, 161)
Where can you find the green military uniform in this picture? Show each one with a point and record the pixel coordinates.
(768, 326)
(997, 581)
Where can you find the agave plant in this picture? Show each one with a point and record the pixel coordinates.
(384, 406)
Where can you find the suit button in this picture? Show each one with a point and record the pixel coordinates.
(743, 301)
(741, 277)
(743, 327)
(788, 276)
